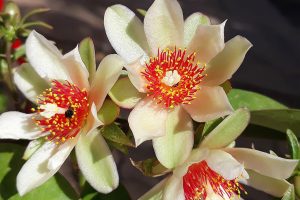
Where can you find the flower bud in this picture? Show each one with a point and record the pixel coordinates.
(12, 9)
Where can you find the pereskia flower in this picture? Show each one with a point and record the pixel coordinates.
(215, 171)
(179, 65)
(65, 114)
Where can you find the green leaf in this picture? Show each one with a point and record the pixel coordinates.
(11, 162)
(289, 194)
(118, 146)
(150, 167)
(293, 144)
(296, 182)
(114, 133)
(33, 12)
(251, 100)
(278, 119)
(87, 53)
(19, 52)
(36, 23)
(228, 130)
(226, 86)
(142, 12)
(108, 112)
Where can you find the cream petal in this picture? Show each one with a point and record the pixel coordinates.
(164, 24)
(92, 121)
(210, 103)
(106, 76)
(35, 171)
(125, 32)
(225, 165)
(76, 69)
(16, 125)
(155, 193)
(147, 120)
(173, 189)
(207, 42)
(96, 162)
(45, 58)
(191, 24)
(264, 163)
(272, 186)
(29, 82)
(227, 62)
(174, 148)
(135, 75)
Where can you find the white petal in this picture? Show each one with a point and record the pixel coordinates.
(227, 62)
(134, 73)
(32, 147)
(92, 121)
(164, 24)
(96, 162)
(174, 189)
(147, 120)
(35, 171)
(175, 147)
(29, 82)
(125, 32)
(210, 103)
(264, 163)
(207, 42)
(17, 125)
(155, 193)
(272, 186)
(106, 76)
(225, 165)
(45, 58)
(76, 69)
(191, 24)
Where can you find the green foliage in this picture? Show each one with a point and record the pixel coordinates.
(87, 53)
(108, 112)
(150, 167)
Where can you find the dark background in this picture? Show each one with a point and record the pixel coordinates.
(271, 67)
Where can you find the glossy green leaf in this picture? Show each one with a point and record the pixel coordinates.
(108, 112)
(252, 100)
(114, 133)
(278, 119)
(150, 167)
(11, 162)
(293, 144)
(87, 53)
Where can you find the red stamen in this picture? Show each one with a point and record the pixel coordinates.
(199, 175)
(190, 77)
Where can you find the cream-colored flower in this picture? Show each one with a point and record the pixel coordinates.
(215, 172)
(168, 59)
(66, 115)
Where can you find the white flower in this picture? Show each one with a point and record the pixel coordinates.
(168, 58)
(66, 115)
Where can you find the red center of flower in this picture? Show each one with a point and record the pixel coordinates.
(199, 177)
(173, 77)
(62, 111)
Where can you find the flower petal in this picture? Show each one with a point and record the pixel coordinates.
(272, 186)
(92, 121)
(76, 69)
(106, 76)
(228, 130)
(164, 24)
(134, 73)
(29, 82)
(45, 58)
(175, 147)
(191, 24)
(225, 165)
(207, 42)
(125, 32)
(16, 125)
(96, 162)
(226, 63)
(264, 163)
(210, 103)
(126, 99)
(147, 120)
(35, 171)
(156, 192)
(173, 189)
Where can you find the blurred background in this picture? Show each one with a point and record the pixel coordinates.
(272, 66)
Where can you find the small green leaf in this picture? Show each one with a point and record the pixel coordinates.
(142, 12)
(226, 86)
(294, 144)
(114, 133)
(87, 53)
(118, 146)
(251, 100)
(289, 194)
(150, 167)
(108, 112)
(19, 52)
